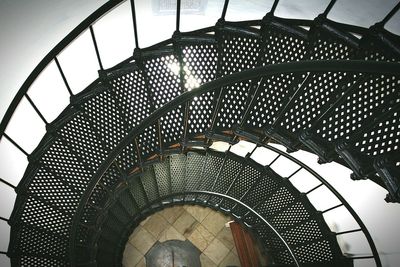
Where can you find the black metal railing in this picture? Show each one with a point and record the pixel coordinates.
(306, 66)
(217, 85)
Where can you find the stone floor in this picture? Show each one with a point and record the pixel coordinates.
(203, 227)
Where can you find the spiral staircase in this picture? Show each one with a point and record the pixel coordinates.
(140, 138)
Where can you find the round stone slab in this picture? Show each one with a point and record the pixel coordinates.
(173, 253)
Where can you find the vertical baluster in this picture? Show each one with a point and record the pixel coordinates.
(15, 144)
(178, 14)
(328, 8)
(7, 183)
(224, 9)
(389, 15)
(273, 8)
(63, 76)
(36, 109)
(96, 48)
(134, 23)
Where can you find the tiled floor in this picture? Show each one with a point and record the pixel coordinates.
(204, 227)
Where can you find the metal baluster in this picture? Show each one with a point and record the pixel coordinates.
(389, 15)
(36, 109)
(63, 76)
(15, 144)
(7, 183)
(135, 32)
(224, 9)
(273, 8)
(178, 14)
(328, 8)
(294, 173)
(96, 47)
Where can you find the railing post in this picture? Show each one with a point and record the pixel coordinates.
(63, 76)
(178, 14)
(224, 9)
(15, 144)
(135, 32)
(96, 47)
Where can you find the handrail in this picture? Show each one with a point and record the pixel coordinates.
(84, 25)
(341, 199)
(237, 202)
(292, 67)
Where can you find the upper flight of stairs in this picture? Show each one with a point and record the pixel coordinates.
(340, 113)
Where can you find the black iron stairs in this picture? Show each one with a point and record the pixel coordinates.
(283, 211)
(350, 117)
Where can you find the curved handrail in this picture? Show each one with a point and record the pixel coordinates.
(84, 25)
(197, 192)
(341, 199)
(293, 67)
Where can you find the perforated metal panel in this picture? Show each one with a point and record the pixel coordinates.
(246, 179)
(230, 171)
(213, 165)
(137, 191)
(111, 177)
(239, 49)
(384, 139)
(38, 242)
(314, 252)
(84, 141)
(172, 127)
(371, 98)
(128, 202)
(59, 159)
(127, 158)
(282, 42)
(149, 182)
(45, 262)
(305, 232)
(276, 202)
(53, 190)
(165, 84)
(295, 213)
(329, 42)
(199, 66)
(106, 117)
(129, 88)
(271, 94)
(317, 95)
(263, 187)
(54, 221)
(148, 142)
(178, 172)
(162, 172)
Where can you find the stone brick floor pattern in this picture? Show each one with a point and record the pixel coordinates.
(204, 227)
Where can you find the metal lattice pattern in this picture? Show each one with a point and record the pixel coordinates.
(346, 113)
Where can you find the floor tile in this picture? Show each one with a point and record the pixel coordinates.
(214, 222)
(185, 224)
(142, 240)
(216, 251)
(230, 260)
(171, 234)
(142, 263)
(131, 256)
(155, 225)
(145, 220)
(201, 237)
(198, 212)
(172, 213)
(225, 236)
(206, 262)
